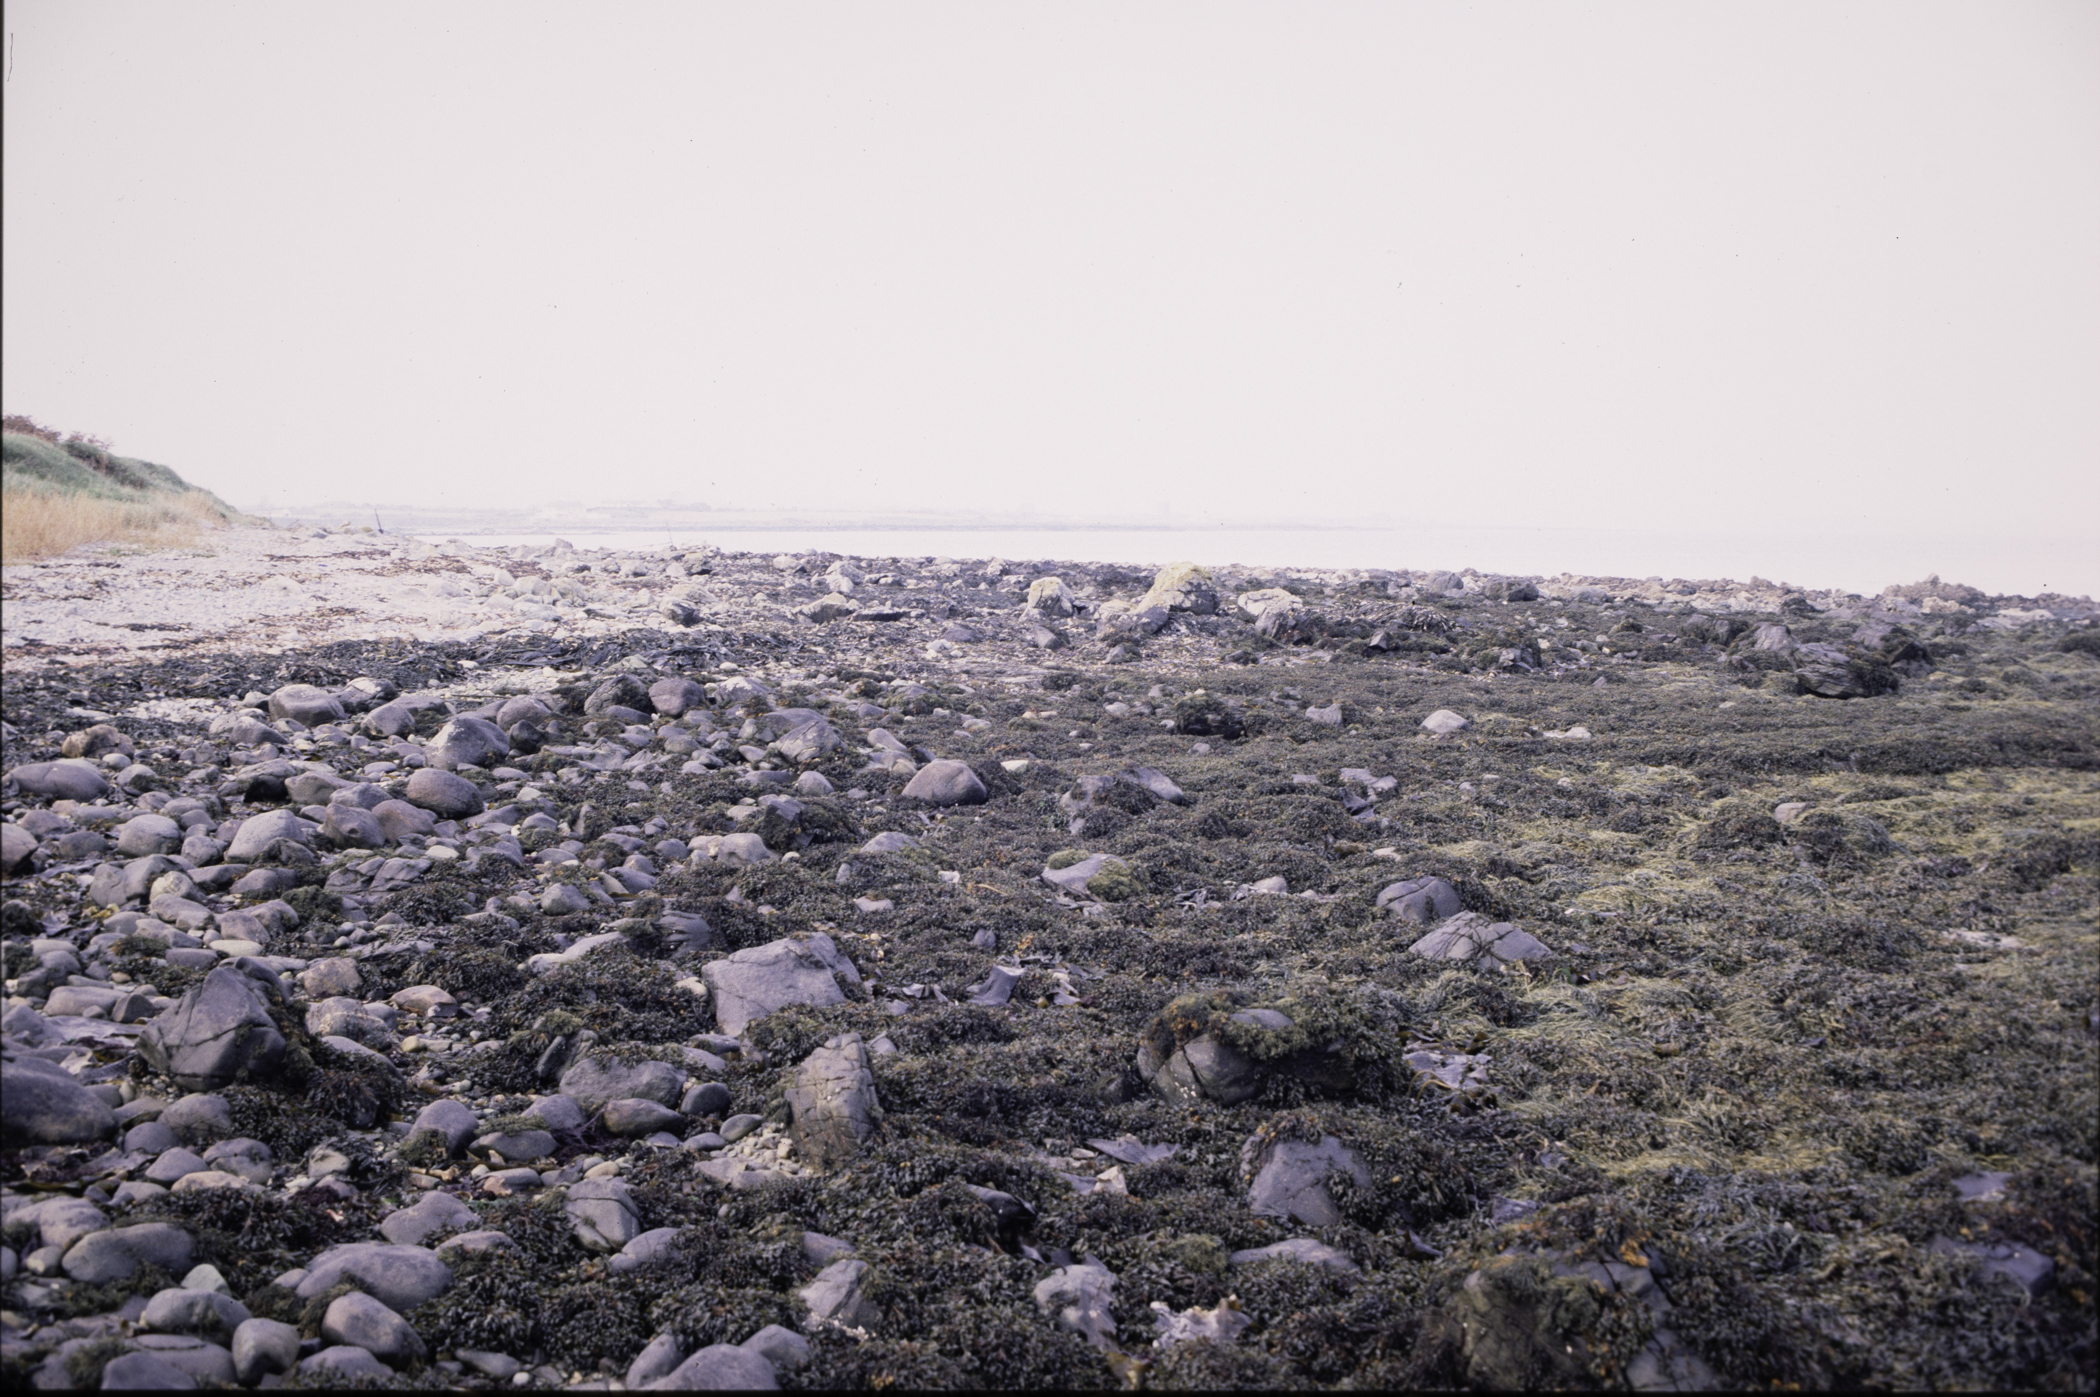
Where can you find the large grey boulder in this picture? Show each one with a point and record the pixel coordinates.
(467, 741)
(945, 782)
(1423, 901)
(595, 1081)
(453, 1119)
(399, 1277)
(17, 847)
(143, 1371)
(258, 832)
(179, 1311)
(41, 1104)
(306, 703)
(60, 1221)
(755, 982)
(264, 1346)
(603, 1213)
(1290, 1178)
(314, 787)
(673, 697)
(148, 834)
(435, 1212)
(442, 793)
(832, 1102)
(361, 1320)
(1205, 1067)
(69, 779)
(347, 1018)
(102, 1257)
(720, 1368)
(352, 827)
(398, 819)
(397, 717)
(219, 1031)
(1470, 936)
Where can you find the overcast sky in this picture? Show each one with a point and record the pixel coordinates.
(1792, 268)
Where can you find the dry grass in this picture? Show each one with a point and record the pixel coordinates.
(40, 524)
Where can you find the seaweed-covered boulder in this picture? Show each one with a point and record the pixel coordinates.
(1470, 936)
(1423, 901)
(1203, 714)
(757, 981)
(1102, 876)
(1215, 1047)
(832, 1102)
(1182, 587)
(1290, 1177)
(219, 1031)
(1525, 1323)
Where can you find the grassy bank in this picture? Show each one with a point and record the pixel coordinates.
(56, 495)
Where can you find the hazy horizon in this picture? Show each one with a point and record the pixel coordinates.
(1823, 275)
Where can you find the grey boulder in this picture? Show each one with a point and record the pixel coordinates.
(673, 697)
(466, 741)
(1470, 936)
(41, 1104)
(1423, 901)
(148, 834)
(179, 1311)
(258, 832)
(595, 1081)
(836, 1295)
(61, 780)
(455, 1120)
(759, 980)
(443, 793)
(363, 1321)
(720, 1368)
(945, 782)
(632, 1117)
(219, 1031)
(1290, 1178)
(399, 1277)
(306, 703)
(264, 1346)
(429, 1215)
(144, 1371)
(102, 1257)
(834, 1109)
(603, 1213)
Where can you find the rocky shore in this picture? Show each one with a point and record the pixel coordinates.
(441, 966)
